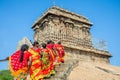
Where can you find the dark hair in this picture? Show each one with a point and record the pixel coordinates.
(35, 43)
(43, 45)
(49, 41)
(24, 47)
(59, 42)
(53, 42)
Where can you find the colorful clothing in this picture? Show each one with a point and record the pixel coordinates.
(52, 58)
(45, 62)
(50, 47)
(61, 53)
(17, 68)
(52, 55)
(36, 71)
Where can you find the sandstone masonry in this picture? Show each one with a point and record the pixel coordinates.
(72, 30)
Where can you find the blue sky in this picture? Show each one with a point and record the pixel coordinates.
(17, 17)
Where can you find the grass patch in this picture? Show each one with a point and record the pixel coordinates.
(5, 75)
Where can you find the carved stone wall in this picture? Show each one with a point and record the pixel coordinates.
(66, 30)
(72, 30)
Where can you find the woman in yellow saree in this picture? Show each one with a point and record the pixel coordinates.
(20, 62)
(35, 70)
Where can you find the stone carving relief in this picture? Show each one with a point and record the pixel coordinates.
(71, 30)
(60, 28)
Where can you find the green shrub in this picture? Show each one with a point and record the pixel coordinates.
(5, 75)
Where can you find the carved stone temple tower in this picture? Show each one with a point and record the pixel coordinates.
(72, 30)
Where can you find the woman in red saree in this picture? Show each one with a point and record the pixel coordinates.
(50, 47)
(52, 55)
(61, 53)
(35, 70)
(20, 62)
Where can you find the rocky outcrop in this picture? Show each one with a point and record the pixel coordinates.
(94, 71)
(25, 40)
(79, 69)
(64, 69)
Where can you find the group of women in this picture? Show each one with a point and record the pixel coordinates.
(37, 62)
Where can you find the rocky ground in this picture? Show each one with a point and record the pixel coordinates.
(94, 71)
(77, 69)
(63, 70)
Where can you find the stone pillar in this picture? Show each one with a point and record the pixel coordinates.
(36, 34)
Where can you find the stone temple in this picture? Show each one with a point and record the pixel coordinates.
(72, 30)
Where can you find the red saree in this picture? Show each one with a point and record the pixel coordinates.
(60, 51)
(17, 68)
(52, 57)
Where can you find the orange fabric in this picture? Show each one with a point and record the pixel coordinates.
(61, 53)
(52, 59)
(35, 71)
(50, 47)
(52, 56)
(45, 62)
